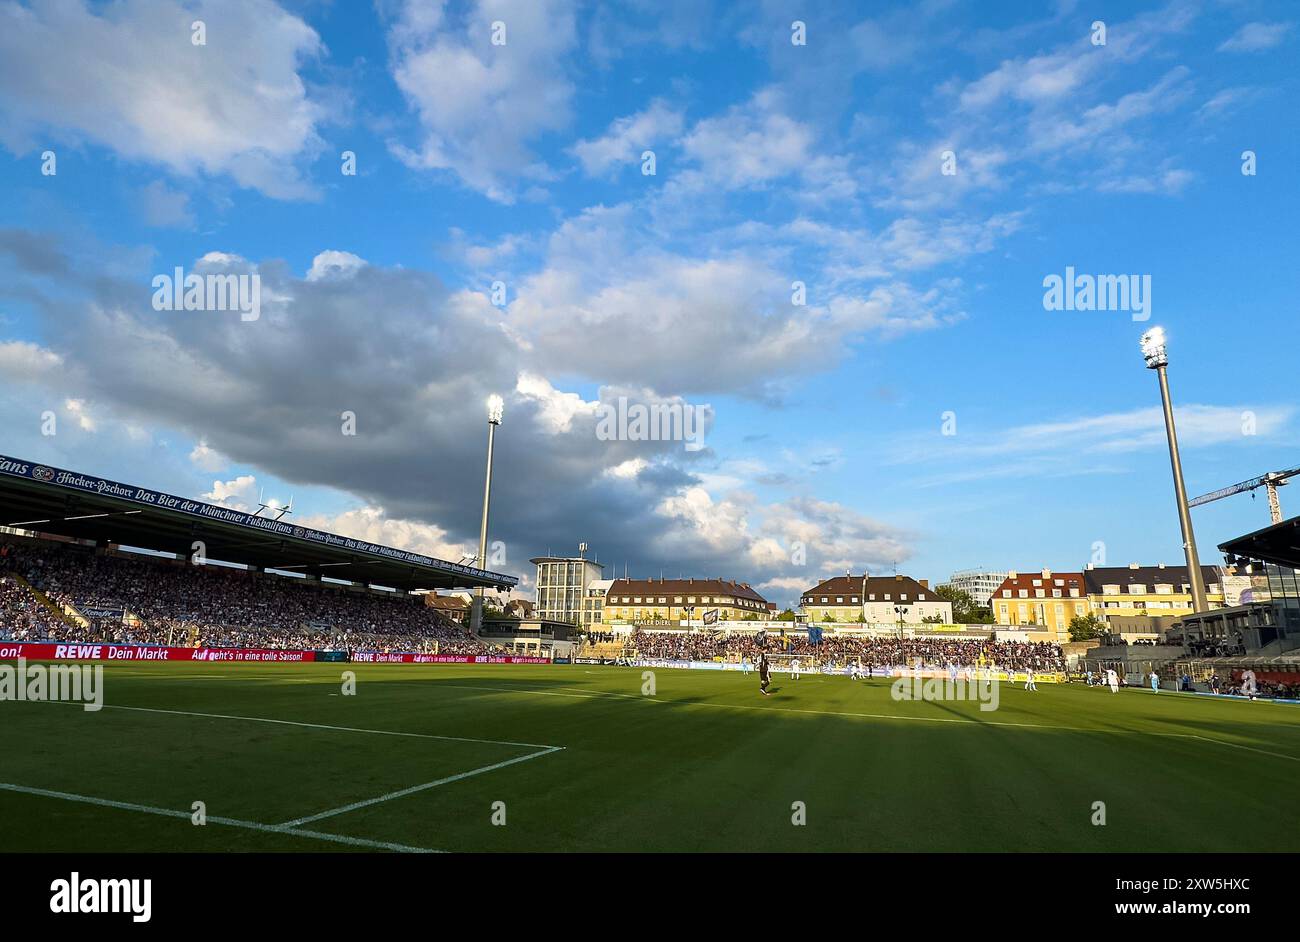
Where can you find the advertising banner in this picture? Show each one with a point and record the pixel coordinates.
(58, 651)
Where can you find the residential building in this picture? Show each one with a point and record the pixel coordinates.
(453, 606)
(673, 601)
(1044, 599)
(1148, 590)
(875, 600)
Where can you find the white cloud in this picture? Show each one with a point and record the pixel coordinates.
(207, 459)
(77, 409)
(375, 526)
(332, 263)
(1254, 37)
(239, 494)
(628, 137)
(749, 145)
(132, 81)
(21, 361)
(556, 409)
(480, 105)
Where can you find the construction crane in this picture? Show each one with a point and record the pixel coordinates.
(1271, 481)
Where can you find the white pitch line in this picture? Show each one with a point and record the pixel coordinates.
(419, 788)
(341, 729)
(230, 822)
(1237, 745)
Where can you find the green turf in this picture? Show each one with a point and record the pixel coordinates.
(705, 764)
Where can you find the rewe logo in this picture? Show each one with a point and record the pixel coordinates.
(76, 895)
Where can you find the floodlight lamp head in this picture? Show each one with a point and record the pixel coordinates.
(1153, 348)
(495, 406)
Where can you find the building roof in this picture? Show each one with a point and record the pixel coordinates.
(1097, 576)
(45, 499)
(451, 603)
(1025, 580)
(874, 585)
(1278, 544)
(565, 559)
(657, 587)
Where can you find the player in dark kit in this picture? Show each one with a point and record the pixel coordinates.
(764, 675)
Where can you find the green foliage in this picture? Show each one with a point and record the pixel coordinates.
(1087, 627)
(965, 610)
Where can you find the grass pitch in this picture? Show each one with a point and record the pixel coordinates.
(583, 761)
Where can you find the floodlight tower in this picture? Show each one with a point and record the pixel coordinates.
(1157, 358)
(495, 408)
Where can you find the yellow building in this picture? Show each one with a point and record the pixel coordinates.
(1133, 590)
(673, 601)
(1042, 601)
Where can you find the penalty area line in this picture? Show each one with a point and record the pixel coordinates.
(415, 789)
(229, 822)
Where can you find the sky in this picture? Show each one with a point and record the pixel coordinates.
(823, 230)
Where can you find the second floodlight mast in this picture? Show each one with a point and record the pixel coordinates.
(1157, 358)
(495, 409)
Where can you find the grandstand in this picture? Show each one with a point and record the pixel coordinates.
(212, 577)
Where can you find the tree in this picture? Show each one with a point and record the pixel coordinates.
(932, 620)
(787, 615)
(965, 610)
(1087, 627)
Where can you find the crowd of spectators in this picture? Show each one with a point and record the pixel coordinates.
(161, 601)
(878, 652)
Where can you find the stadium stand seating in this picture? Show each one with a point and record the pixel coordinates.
(870, 650)
(166, 601)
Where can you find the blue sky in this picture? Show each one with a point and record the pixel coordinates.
(775, 162)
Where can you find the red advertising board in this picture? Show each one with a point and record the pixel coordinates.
(59, 651)
(381, 657)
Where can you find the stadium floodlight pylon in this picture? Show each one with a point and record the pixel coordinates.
(1155, 353)
(495, 411)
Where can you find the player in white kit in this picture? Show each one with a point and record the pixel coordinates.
(794, 669)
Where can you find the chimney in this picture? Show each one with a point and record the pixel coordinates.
(925, 583)
(897, 577)
(1047, 573)
(1013, 575)
(1133, 566)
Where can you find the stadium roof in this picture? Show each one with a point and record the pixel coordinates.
(1278, 544)
(51, 500)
